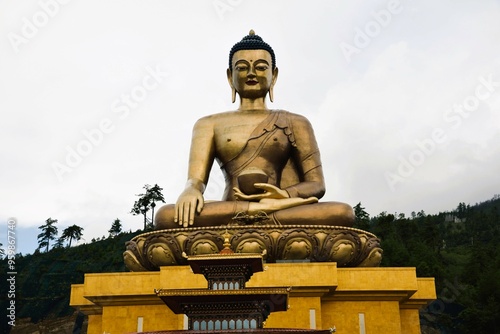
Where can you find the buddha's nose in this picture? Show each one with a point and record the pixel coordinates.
(251, 72)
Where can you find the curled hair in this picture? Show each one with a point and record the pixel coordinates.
(251, 42)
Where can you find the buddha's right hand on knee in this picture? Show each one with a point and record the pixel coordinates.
(189, 203)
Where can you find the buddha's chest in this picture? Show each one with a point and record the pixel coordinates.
(232, 139)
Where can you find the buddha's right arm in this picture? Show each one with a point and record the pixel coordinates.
(196, 184)
(201, 158)
(202, 153)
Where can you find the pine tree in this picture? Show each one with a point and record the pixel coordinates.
(116, 228)
(147, 201)
(72, 232)
(49, 232)
(362, 217)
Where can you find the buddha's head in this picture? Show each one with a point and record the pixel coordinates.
(252, 70)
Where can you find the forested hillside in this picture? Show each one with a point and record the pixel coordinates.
(43, 280)
(459, 248)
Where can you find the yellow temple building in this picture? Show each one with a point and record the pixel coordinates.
(322, 296)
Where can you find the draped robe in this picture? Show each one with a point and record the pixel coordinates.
(272, 147)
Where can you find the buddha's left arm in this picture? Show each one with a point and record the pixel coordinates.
(307, 158)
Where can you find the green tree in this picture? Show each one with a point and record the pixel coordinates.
(430, 235)
(116, 228)
(49, 232)
(147, 201)
(141, 207)
(154, 195)
(72, 232)
(58, 244)
(362, 217)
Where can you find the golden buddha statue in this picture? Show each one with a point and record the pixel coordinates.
(270, 158)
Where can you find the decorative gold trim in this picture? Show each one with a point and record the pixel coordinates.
(206, 292)
(270, 227)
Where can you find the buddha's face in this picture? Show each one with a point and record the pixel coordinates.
(252, 74)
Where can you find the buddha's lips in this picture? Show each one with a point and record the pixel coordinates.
(251, 82)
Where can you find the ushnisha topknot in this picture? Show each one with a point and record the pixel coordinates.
(251, 42)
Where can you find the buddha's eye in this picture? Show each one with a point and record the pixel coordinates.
(261, 67)
(241, 68)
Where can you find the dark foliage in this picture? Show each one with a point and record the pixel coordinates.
(460, 250)
(43, 280)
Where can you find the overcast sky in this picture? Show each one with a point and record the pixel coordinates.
(98, 98)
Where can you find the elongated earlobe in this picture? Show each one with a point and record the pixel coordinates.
(275, 77)
(230, 81)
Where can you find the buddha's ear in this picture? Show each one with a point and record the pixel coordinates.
(273, 82)
(230, 80)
